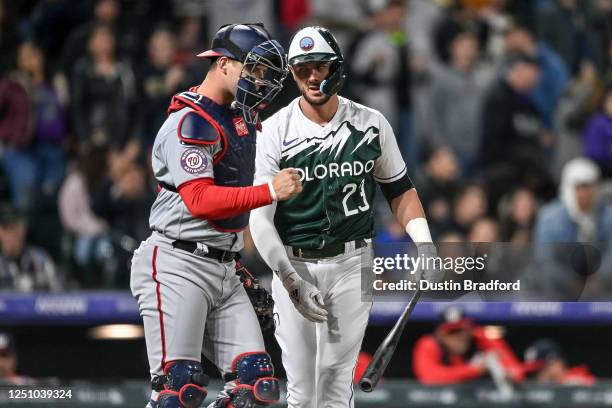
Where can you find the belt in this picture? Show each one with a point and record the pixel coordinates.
(327, 251)
(197, 248)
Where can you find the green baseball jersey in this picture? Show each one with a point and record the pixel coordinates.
(339, 165)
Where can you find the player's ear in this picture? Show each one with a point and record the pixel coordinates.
(223, 65)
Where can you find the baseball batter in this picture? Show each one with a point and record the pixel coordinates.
(316, 242)
(184, 276)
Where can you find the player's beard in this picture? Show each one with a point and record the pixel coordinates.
(318, 101)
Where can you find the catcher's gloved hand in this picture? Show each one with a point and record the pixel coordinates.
(260, 298)
(306, 298)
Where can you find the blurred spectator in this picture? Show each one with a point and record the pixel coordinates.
(461, 16)
(517, 215)
(422, 18)
(600, 30)
(105, 12)
(8, 36)
(458, 352)
(485, 229)
(344, 18)
(581, 101)
(554, 76)
(161, 77)
(380, 72)
(598, 135)
(563, 25)
(8, 362)
(438, 182)
(184, 8)
(104, 95)
(513, 143)
(120, 201)
(575, 217)
(499, 16)
(35, 162)
(470, 204)
(545, 363)
(292, 14)
(456, 98)
(190, 37)
(14, 115)
(451, 236)
(232, 11)
(90, 247)
(23, 268)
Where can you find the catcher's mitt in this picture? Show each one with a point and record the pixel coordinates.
(260, 298)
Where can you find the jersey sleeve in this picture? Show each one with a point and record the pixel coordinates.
(390, 169)
(390, 165)
(267, 159)
(186, 162)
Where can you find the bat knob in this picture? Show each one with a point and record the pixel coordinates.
(366, 385)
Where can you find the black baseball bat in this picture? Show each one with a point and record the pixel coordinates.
(386, 349)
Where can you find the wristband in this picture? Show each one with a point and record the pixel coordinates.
(418, 230)
(272, 192)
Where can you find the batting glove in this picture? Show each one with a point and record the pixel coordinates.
(427, 270)
(306, 298)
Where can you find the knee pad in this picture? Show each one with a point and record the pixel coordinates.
(256, 385)
(183, 383)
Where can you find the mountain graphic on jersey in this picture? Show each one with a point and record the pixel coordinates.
(333, 142)
(336, 170)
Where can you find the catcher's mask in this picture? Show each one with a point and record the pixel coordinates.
(251, 44)
(318, 44)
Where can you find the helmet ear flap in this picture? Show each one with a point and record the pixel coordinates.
(334, 81)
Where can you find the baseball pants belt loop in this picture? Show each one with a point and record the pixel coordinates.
(198, 248)
(328, 251)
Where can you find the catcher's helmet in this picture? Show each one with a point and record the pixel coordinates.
(235, 41)
(318, 44)
(251, 44)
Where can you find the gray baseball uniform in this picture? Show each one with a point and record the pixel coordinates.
(191, 304)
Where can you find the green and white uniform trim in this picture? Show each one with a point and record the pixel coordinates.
(339, 164)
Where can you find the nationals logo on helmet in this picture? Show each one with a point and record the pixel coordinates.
(306, 43)
(193, 161)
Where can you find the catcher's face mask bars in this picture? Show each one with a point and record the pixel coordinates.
(264, 70)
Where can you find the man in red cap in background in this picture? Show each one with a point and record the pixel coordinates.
(458, 351)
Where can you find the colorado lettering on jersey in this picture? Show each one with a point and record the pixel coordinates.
(331, 170)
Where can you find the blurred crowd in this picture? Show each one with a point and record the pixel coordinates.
(502, 111)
